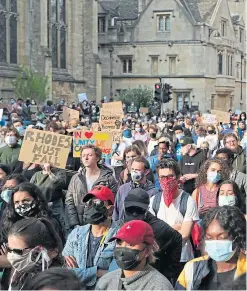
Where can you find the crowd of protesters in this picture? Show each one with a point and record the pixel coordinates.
(167, 211)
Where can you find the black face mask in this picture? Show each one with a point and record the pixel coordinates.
(134, 213)
(211, 131)
(153, 135)
(127, 259)
(95, 214)
(170, 126)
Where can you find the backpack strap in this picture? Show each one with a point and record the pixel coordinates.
(156, 203)
(183, 203)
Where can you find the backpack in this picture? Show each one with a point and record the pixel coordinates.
(182, 207)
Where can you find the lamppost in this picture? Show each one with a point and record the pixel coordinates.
(111, 50)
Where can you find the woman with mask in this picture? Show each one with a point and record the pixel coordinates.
(139, 133)
(230, 195)
(212, 137)
(134, 252)
(88, 249)
(27, 201)
(225, 244)
(33, 246)
(242, 117)
(9, 154)
(210, 175)
(153, 142)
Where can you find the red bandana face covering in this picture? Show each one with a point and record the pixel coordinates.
(169, 187)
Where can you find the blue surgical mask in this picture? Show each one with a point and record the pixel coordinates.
(219, 250)
(179, 136)
(227, 200)
(6, 195)
(21, 130)
(213, 177)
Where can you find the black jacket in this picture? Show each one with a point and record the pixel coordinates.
(191, 165)
(170, 243)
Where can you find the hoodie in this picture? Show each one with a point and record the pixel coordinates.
(191, 165)
(239, 162)
(123, 192)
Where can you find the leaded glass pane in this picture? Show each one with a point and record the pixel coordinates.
(13, 5)
(62, 48)
(2, 4)
(2, 38)
(62, 11)
(53, 11)
(54, 46)
(13, 39)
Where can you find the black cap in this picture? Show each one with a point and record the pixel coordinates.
(137, 197)
(186, 140)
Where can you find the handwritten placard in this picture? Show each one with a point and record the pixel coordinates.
(69, 114)
(221, 116)
(42, 147)
(102, 140)
(143, 109)
(82, 97)
(208, 119)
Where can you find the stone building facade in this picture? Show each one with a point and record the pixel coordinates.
(197, 46)
(57, 38)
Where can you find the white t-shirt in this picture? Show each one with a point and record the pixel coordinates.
(213, 141)
(120, 151)
(151, 145)
(173, 216)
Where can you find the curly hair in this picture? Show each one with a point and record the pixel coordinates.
(202, 174)
(42, 209)
(232, 220)
(169, 164)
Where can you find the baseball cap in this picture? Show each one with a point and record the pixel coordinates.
(186, 140)
(101, 192)
(163, 139)
(135, 232)
(137, 197)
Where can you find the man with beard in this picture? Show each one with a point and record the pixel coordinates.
(174, 206)
(88, 249)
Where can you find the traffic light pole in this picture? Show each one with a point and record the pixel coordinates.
(162, 99)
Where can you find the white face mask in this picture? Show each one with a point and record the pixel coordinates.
(10, 140)
(227, 200)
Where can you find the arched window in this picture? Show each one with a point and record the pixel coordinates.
(220, 63)
(57, 29)
(161, 23)
(8, 31)
(167, 23)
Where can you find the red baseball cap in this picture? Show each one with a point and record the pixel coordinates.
(101, 192)
(135, 232)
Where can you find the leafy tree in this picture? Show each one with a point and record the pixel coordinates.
(31, 85)
(141, 96)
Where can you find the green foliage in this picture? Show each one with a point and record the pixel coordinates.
(31, 85)
(141, 96)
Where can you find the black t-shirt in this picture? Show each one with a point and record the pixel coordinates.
(93, 245)
(222, 281)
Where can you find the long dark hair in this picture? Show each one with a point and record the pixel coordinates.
(240, 203)
(42, 209)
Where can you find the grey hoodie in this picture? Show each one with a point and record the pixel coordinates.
(241, 180)
(123, 192)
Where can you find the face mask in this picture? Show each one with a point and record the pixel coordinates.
(225, 126)
(138, 129)
(179, 136)
(153, 135)
(21, 130)
(6, 195)
(95, 214)
(134, 213)
(219, 250)
(33, 102)
(210, 132)
(169, 187)
(12, 102)
(26, 209)
(213, 177)
(170, 126)
(227, 200)
(163, 119)
(26, 262)
(136, 176)
(127, 259)
(10, 140)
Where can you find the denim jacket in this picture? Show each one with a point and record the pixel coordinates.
(77, 246)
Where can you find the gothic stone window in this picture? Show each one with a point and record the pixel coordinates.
(163, 23)
(8, 31)
(126, 64)
(220, 63)
(57, 29)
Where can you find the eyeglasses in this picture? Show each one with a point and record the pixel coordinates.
(231, 141)
(96, 202)
(166, 177)
(17, 251)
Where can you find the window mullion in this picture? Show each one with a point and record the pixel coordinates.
(58, 33)
(7, 16)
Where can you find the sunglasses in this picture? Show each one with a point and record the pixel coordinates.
(17, 251)
(96, 202)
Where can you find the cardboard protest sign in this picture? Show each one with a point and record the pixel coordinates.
(117, 106)
(102, 140)
(143, 109)
(82, 97)
(95, 126)
(7, 106)
(69, 114)
(41, 147)
(221, 116)
(208, 119)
